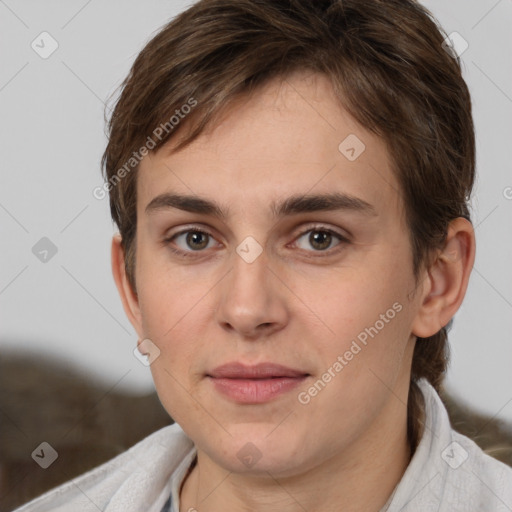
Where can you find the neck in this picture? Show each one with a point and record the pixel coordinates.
(362, 477)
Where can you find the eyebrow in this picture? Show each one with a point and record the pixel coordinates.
(293, 205)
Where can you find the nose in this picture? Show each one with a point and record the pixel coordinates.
(252, 299)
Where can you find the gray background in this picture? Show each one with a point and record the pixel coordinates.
(52, 135)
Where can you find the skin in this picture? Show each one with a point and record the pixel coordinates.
(296, 304)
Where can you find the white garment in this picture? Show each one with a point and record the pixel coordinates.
(447, 473)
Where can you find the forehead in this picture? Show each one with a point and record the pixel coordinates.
(290, 137)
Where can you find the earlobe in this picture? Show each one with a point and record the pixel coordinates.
(446, 280)
(128, 297)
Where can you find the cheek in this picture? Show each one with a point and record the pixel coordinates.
(369, 316)
(176, 372)
(170, 319)
(166, 299)
(359, 367)
(360, 305)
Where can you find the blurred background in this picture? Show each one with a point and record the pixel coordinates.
(65, 342)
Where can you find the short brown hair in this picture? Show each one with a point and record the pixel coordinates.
(390, 70)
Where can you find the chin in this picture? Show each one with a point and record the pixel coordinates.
(251, 450)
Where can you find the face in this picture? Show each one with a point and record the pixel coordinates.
(319, 286)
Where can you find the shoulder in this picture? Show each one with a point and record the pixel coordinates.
(143, 470)
(448, 471)
(471, 479)
(483, 481)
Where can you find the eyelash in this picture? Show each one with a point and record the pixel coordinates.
(193, 254)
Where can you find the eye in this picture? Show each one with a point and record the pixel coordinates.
(320, 238)
(192, 240)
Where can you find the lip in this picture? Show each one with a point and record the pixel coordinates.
(268, 370)
(255, 384)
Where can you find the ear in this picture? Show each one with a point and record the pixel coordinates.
(128, 297)
(447, 280)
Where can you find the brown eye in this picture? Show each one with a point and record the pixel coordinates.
(320, 239)
(189, 241)
(196, 240)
